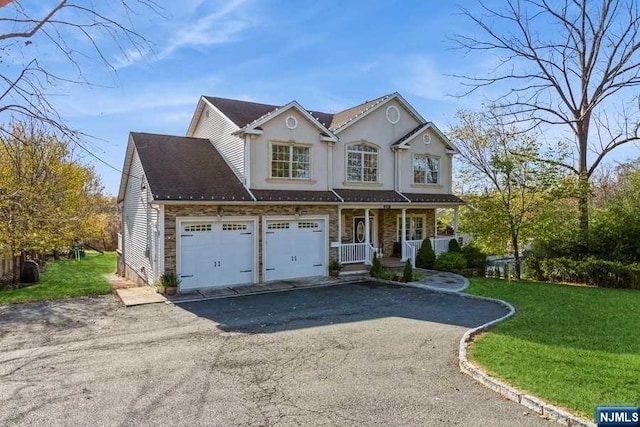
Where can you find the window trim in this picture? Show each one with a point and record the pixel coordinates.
(413, 174)
(291, 145)
(347, 148)
(399, 225)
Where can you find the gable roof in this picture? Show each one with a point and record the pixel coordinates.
(184, 168)
(241, 112)
(343, 117)
(405, 140)
(255, 125)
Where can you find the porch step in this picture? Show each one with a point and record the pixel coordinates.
(391, 262)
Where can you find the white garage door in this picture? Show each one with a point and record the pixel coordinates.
(216, 253)
(295, 249)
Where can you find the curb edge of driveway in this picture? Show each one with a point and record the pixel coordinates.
(532, 403)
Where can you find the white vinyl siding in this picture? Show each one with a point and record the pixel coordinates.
(139, 239)
(218, 130)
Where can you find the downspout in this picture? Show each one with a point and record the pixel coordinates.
(247, 160)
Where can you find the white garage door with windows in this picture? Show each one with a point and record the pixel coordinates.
(216, 253)
(295, 248)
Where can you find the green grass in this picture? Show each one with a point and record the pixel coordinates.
(67, 279)
(576, 347)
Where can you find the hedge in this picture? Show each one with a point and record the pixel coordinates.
(592, 271)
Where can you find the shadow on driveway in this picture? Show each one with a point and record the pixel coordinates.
(346, 303)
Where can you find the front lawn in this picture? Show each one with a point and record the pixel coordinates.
(67, 279)
(576, 347)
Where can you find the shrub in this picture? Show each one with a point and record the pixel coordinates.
(334, 268)
(474, 256)
(169, 280)
(450, 261)
(407, 273)
(592, 271)
(376, 268)
(454, 246)
(425, 258)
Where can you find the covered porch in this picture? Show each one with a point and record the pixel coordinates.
(394, 233)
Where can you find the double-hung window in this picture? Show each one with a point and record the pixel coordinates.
(362, 163)
(425, 169)
(290, 161)
(415, 227)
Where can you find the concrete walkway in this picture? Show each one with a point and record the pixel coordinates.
(131, 296)
(443, 280)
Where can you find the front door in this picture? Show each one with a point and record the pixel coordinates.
(359, 230)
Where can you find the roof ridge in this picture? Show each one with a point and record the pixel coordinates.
(374, 100)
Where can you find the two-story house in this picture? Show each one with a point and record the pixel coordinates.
(255, 192)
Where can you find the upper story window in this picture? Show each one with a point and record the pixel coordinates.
(362, 163)
(290, 161)
(425, 169)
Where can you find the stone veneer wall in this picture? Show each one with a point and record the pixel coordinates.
(386, 225)
(173, 211)
(389, 229)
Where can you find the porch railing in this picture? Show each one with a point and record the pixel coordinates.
(412, 250)
(354, 253)
(440, 244)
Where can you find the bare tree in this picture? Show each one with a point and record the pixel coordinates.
(570, 63)
(75, 33)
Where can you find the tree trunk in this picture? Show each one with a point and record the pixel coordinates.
(516, 256)
(584, 188)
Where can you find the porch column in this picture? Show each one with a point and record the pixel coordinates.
(340, 234)
(455, 221)
(403, 235)
(367, 241)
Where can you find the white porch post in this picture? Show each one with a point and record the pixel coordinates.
(340, 234)
(403, 235)
(366, 234)
(455, 221)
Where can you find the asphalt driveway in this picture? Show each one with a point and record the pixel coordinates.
(345, 355)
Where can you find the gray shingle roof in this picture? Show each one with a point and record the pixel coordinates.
(433, 198)
(343, 117)
(294, 196)
(370, 196)
(244, 112)
(182, 168)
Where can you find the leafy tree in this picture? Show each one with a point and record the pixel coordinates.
(569, 64)
(425, 256)
(508, 190)
(46, 197)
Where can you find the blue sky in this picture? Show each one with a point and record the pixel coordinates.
(327, 55)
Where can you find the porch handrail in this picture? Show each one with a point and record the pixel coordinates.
(411, 252)
(371, 250)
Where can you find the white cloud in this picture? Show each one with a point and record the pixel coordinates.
(218, 27)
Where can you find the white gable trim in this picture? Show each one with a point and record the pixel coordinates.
(126, 170)
(202, 103)
(395, 96)
(429, 125)
(251, 127)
